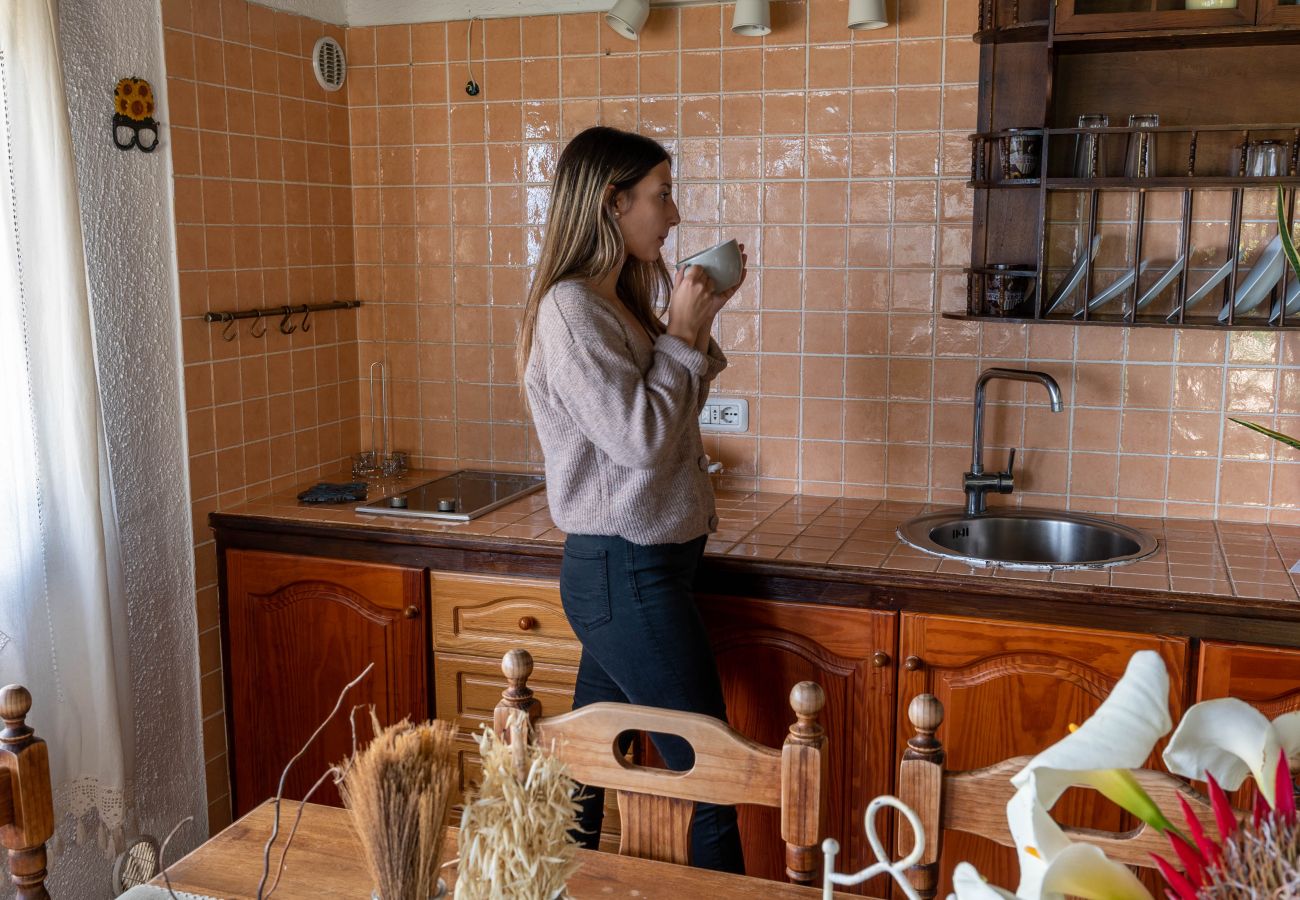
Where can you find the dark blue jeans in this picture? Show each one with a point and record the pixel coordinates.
(643, 641)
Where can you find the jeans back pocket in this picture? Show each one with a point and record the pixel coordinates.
(584, 587)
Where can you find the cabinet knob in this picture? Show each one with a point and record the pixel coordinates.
(527, 623)
(412, 612)
(913, 663)
(880, 659)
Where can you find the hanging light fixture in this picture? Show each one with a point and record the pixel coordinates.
(627, 17)
(867, 14)
(752, 18)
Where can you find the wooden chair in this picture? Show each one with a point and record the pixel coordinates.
(656, 805)
(26, 800)
(975, 802)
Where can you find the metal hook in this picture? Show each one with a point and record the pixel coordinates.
(231, 331)
(306, 314)
(258, 321)
(286, 326)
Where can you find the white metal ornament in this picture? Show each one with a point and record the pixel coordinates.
(883, 865)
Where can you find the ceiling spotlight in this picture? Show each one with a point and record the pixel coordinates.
(628, 17)
(867, 14)
(752, 18)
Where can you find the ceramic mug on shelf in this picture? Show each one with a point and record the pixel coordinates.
(1007, 288)
(1023, 153)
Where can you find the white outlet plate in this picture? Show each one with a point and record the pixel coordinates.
(725, 414)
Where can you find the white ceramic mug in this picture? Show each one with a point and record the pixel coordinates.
(722, 262)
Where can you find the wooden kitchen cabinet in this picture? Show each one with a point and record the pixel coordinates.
(299, 628)
(1096, 16)
(763, 649)
(1268, 678)
(1009, 689)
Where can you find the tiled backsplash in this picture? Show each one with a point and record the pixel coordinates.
(263, 218)
(840, 159)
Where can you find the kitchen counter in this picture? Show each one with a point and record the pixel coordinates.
(828, 546)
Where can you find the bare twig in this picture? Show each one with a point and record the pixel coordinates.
(339, 775)
(279, 793)
(162, 853)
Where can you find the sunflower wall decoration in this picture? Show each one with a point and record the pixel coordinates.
(133, 121)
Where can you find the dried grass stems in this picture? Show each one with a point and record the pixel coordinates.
(515, 836)
(398, 791)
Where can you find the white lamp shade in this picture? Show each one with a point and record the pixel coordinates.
(867, 14)
(628, 17)
(752, 18)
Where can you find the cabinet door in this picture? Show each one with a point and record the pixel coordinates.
(764, 648)
(1278, 12)
(1268, 678)
(1102, 16)
(299, 629)
(1010, 689)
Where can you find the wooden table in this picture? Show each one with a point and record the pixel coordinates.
(323, 863)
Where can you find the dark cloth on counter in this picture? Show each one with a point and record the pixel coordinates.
(326, 492)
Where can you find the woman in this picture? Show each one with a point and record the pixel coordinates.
(615, 395)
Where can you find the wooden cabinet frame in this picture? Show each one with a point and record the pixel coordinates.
(1069, 21)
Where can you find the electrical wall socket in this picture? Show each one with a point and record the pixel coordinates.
(725, 414)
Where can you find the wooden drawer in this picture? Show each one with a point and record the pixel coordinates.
(467, 689)
(490, 615)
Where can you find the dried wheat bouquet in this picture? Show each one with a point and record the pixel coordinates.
(398, 790)
(514, 835)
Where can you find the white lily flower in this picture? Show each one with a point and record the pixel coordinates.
(1080, 870)
(1230, 739)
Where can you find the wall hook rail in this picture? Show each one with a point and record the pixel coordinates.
(230, 330)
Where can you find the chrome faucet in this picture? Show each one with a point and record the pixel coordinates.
(976, 482)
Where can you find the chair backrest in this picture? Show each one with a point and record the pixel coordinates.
(975, 802)
(26, 800)
(656, 805)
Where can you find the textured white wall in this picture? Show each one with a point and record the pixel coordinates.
(127, 218)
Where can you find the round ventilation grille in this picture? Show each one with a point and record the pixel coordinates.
(328, 63)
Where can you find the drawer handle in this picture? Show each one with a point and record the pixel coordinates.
(527, 623)
(412, 612)
(913, 663)
(880, 659)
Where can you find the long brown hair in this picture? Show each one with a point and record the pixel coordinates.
(582, 238)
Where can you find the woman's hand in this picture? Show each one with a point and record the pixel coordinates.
(693, 303)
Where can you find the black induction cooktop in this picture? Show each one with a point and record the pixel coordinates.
(457, 497)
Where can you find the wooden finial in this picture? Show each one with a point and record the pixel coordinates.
(925, 712)
(807, 700)
(516, 665)
(15, 704)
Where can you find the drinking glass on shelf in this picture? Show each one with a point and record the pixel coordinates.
(1266, 158)
(1089, 149)
(1140, 159)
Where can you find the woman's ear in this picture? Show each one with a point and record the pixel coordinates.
(616, 200)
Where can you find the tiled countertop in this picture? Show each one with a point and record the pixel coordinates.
(1215, 559)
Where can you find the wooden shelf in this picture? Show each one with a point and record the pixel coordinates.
(1011, 183)
(1019, 33)
(1174, 38)
(1200, 322)
(1168, 183)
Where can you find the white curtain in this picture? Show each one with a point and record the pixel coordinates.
(62, 606)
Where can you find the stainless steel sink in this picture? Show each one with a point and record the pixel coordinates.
(1026, 539)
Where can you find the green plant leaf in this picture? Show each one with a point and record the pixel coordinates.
(1285, 234)
(1269, 432)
